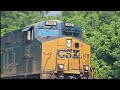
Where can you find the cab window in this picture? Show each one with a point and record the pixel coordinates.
(47, 32)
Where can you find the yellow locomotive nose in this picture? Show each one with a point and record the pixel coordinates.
(66, 54)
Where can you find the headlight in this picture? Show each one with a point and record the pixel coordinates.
(86, 68)
(68, 43)
(61, 66)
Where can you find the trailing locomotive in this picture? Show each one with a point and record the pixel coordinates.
(45, 50)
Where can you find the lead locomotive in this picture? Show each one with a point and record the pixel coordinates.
(45, 50)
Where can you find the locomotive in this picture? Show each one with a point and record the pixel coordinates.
(49, 49)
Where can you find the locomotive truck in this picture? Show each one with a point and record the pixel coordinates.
(49, 49)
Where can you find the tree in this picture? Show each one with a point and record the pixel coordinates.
(13, 20)
(116, 70)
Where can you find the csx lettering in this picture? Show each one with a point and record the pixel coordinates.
(68, 53)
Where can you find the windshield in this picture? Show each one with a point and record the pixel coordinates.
(47, 32)
(71, 33)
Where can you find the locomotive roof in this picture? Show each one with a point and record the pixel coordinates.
(58, 21)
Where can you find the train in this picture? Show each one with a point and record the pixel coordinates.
(50, 49)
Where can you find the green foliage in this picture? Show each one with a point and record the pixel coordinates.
(102, 69)
(116, 72)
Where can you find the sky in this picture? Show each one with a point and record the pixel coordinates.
(53, 13)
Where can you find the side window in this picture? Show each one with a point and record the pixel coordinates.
(32, 34)
(28, 35)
